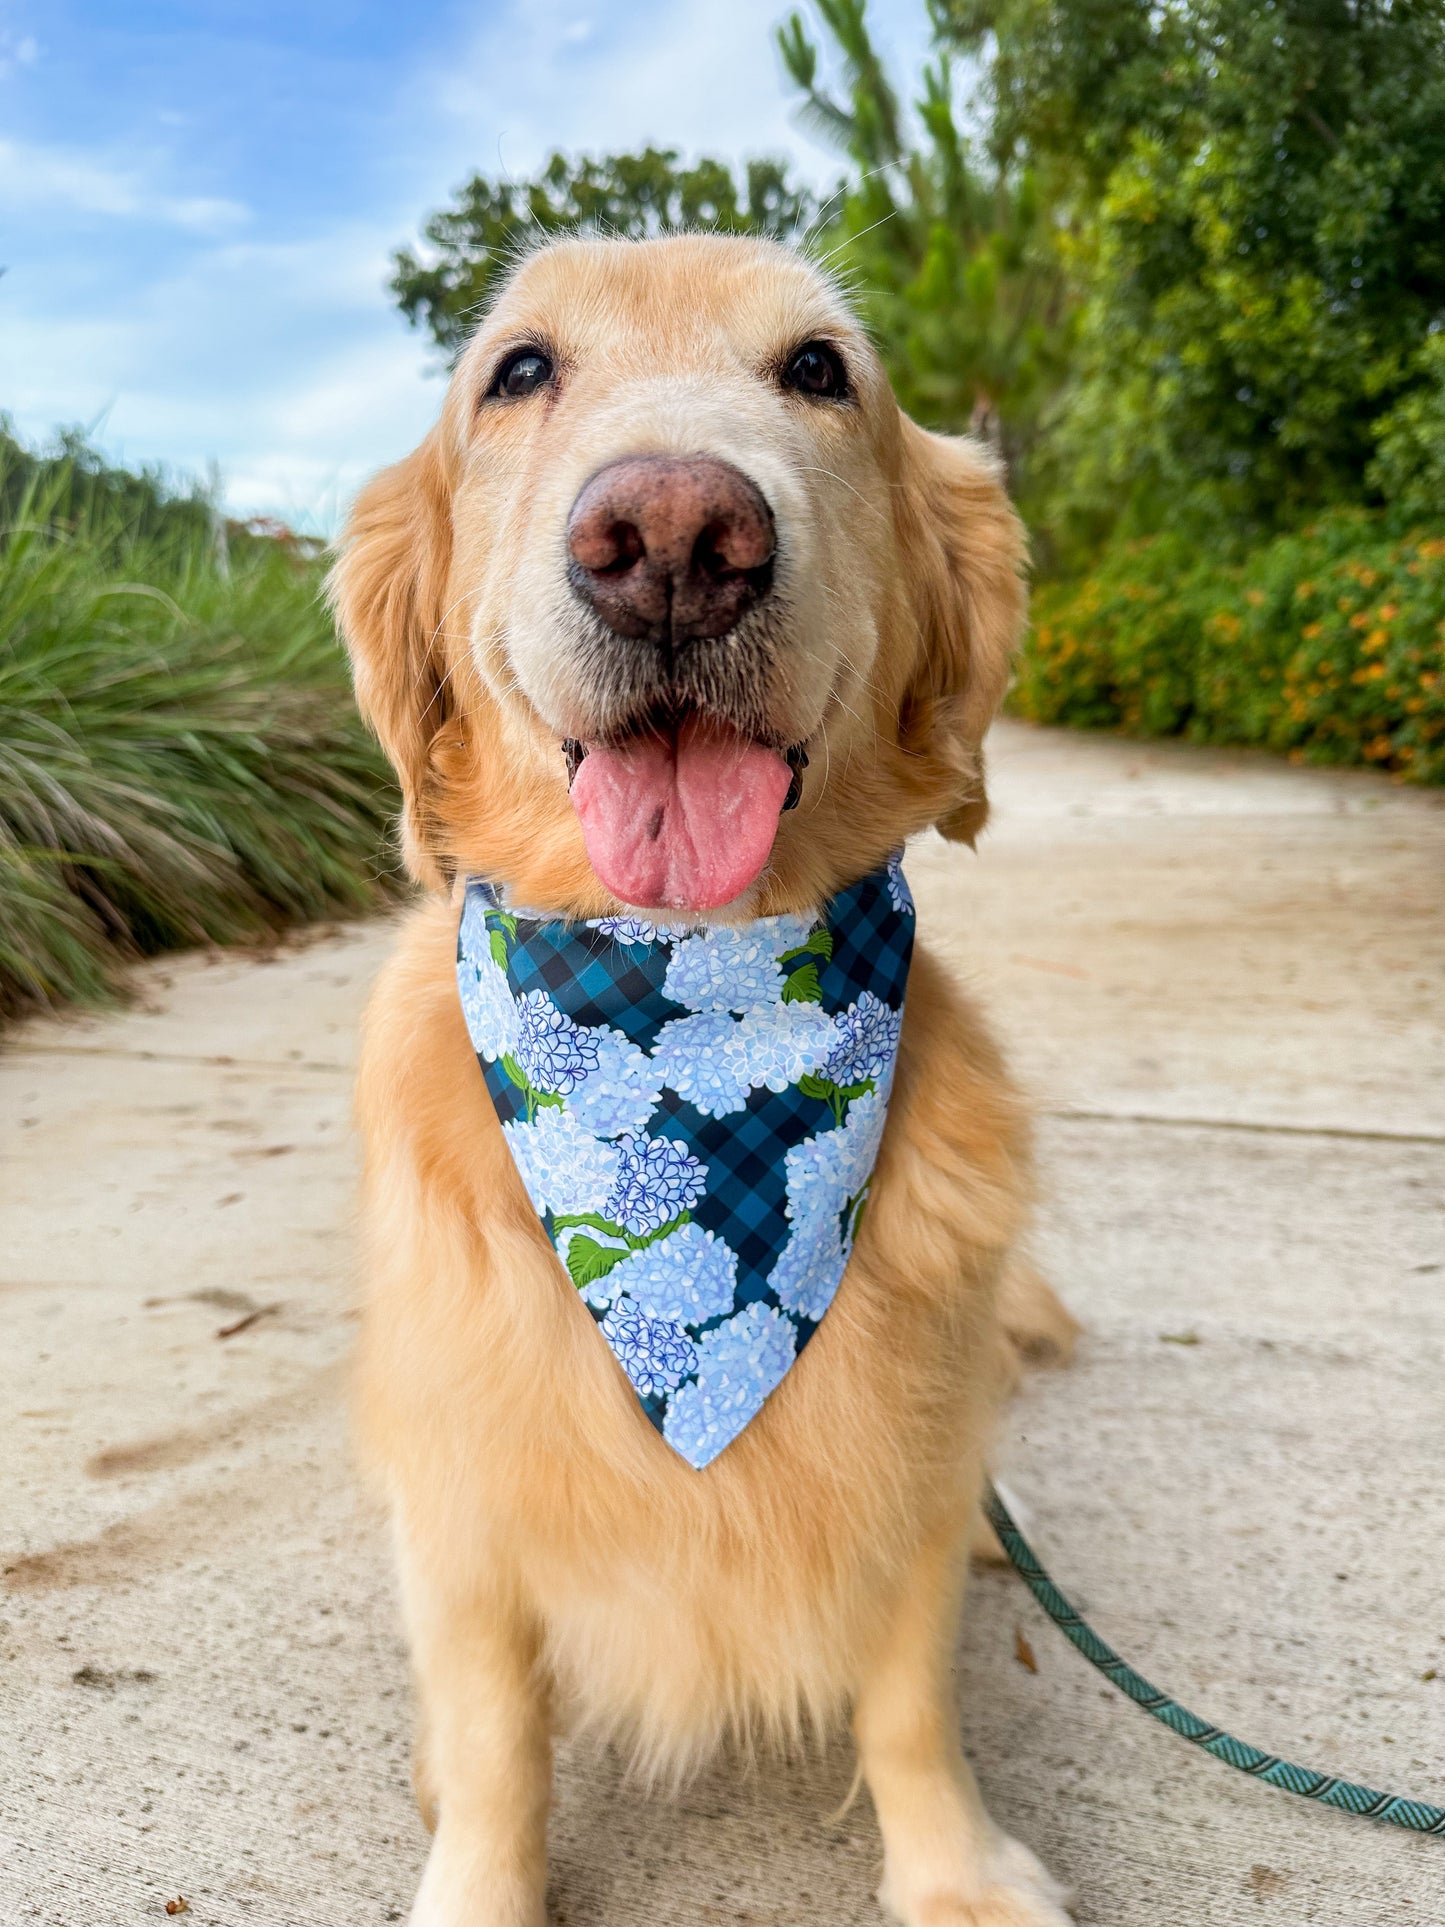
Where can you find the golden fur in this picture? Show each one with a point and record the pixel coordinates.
(557, 1558)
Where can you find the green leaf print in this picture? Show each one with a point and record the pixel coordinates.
(536, 1100)
(802, 986)
(819, 944)
(838, 1096)
(587, 1261)
(595, 1222)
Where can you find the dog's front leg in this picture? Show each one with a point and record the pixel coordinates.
(945, 1863)
(488, 1762)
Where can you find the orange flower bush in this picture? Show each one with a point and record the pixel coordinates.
(1328, 644)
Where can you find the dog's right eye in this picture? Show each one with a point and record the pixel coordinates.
(521, 374)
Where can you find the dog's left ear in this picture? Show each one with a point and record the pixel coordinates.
(963, 554)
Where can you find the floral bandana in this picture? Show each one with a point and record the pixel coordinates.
(695, 1114)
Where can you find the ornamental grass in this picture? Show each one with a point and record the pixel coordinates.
(180, 759)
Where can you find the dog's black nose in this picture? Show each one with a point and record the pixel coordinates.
(670, 547)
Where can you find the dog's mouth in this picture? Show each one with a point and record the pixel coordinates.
(680, 811)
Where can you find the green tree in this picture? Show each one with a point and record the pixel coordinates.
(471, 245)
(1260, 187)
(1069, 79)
(955, 253)
(1409, 464)
(955, 259)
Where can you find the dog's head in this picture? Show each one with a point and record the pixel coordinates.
(673, 548)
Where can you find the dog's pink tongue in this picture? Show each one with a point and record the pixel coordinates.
(684, 825)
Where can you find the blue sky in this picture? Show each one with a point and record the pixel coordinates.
(198, 201)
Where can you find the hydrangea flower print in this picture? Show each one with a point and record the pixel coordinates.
(899, 894)
(474, 937)
(811, 1169)
(487, 1005)
(657, 1180)
(811, 1264)
(693, 1058)
(714, 1059)
(725, 969)
(838, 1163)
(690, 1276)
(738, 1364)
(565, 1169)
(856, 1151)
(631, 930)
(866, 1041)
(777, 1048)
(668, 1090)
(621, 1090)
(555, 1053)
(823, 1174)
(787, 933)
(655, 1354)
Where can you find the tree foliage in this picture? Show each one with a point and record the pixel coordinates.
(1182, 263)
(955, 254)
(471, 245)
(1261, 186)
(954, 259)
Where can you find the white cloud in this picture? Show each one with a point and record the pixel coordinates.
(17, 50)
(35, 177)
(679, 73)
(281, 361)
(284, 359)
(688, 74)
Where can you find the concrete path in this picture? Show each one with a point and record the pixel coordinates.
(1221, 977)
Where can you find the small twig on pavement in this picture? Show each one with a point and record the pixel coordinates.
(244, 1324)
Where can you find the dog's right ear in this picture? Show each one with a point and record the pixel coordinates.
(964, 558)
(388, 589)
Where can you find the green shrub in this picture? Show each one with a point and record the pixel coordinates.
(472, 245)
(180, 758)
(1328, 644)
(1409, 465)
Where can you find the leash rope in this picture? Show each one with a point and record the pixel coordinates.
(1392, 1808)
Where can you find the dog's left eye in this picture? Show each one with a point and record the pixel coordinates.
(521, 374)
(816, 369)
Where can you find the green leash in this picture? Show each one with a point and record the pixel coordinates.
(1392, 1808)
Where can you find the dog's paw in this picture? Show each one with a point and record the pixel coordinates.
(462, 1887)
(1014, 1890)
(998, 1907)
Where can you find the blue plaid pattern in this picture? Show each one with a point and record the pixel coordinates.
(722, 1280)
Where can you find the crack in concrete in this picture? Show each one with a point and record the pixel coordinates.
(1068, 1115)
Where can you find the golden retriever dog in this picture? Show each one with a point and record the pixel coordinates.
(672, 518)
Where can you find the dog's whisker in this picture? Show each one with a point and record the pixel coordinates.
(817, 468)
(467, 595)
(853, 239)
(841, 192)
